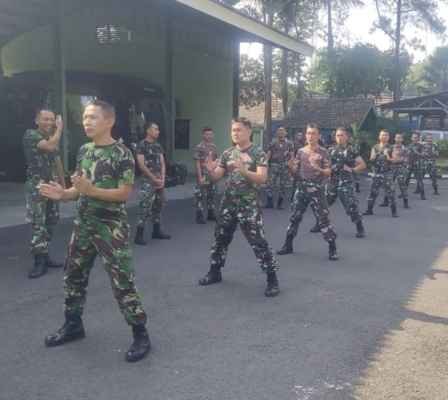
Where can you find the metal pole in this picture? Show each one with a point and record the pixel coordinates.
(236, 78)
(169, 85)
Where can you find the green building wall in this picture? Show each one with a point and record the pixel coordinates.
(202, 62)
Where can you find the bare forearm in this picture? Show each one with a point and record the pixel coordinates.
(70, 194)
(60, 171)
(255, 177)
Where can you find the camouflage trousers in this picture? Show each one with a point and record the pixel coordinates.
(416, 170)
(151, 202)
(204, 197)
(311, 193)
(385, 181)
(43, 214)
(279, 181)
(344, 190)
(400, 175)
(430, 168)
(110, 239)
(247, 214)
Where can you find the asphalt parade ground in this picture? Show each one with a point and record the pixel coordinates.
(373, 325)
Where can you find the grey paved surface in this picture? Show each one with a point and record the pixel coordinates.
(224, 342)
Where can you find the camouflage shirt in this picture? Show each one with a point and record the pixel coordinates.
(306, 171)
(415, 152)
(152, 153)
(340, 156)
(380, 162)
(201, 152)
(108, 167)
(40, 164)
(400, 152)
(280, 151)
(236, 184)
(430, 151)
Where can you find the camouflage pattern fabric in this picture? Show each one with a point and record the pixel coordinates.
(42, 213)
(279, 180)
(240, 206)
(102, 228)
(429, 166)
(311, 193)
(205, 194)
(400, 169)
(416, 164)
(382, 175)
(342, 182)
(151, 200)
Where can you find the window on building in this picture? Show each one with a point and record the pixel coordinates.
(112, 34)
(182, 134)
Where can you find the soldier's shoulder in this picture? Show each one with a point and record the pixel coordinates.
(32, 134)
(122, 150)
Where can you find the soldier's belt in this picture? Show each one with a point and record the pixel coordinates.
(100, 213)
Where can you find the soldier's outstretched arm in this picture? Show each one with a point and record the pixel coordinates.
(51, 144)
(55, 191)
(87, 188)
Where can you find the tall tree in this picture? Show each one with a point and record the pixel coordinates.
(395, 15)
(436, 70)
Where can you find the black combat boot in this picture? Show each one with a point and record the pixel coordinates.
(369, 210)
(332, 251)
(360, 232)
(405, 203)
(51, 263)
(211, 215)
(385, 202)
(39, 267)
(272, 288)
(269, 202)
(213, 276)
(280, 203)
(315, 228)
(357, 188)
(287, 247)
(157, 232)
(436, 190)
(72, 330)
(139, 236)
(141, 344)
(200, 218)
(393, 208)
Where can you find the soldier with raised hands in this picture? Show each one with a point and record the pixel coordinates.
(41, 148)
(416, 164)
(102, 184)
(430, 154)
(313, 166)
(245, 167)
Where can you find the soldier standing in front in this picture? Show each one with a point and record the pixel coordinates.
(205, 190)
(102, 184)
(400, 160)
(416, 164)
(381, 158)
(245, 166)
(279, 152)
(313, 165)
(151, 162)
(41, 148)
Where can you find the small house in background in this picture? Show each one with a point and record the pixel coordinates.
(330, 113)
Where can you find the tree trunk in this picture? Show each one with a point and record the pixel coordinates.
(267, 53)
(284, 81)
(330, 36)
(397, 77)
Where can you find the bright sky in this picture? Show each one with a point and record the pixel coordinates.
(357, 29)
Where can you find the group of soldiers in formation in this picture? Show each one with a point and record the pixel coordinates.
(104, 177)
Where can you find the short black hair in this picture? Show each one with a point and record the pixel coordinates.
(149, 124)
(242, 121)
(107, 108)
(207, 129)
(343, 129)
(40, 109)
(312, 125)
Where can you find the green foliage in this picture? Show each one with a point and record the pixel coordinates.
(436, 70)
(443, 148)
(251, 81)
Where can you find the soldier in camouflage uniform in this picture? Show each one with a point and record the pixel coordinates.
(152, 192)
(430, 154)
(205, 190)
(416, 164)
(245, 166)
(345, 164)
(381, 158)
(400, 159)
(102, 184)
(313, 164)
(43, 165)
(279, 152)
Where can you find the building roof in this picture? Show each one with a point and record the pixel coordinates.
(256, 114)
(432, 104)
(329, 113)
(20, 16)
